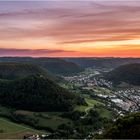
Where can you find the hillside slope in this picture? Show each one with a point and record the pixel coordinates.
(36, 93)
(127, 127)
(129, 73)
(13, 70)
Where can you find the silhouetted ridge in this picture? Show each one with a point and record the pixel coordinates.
(13, 70)
(129, 73)
(54, 65)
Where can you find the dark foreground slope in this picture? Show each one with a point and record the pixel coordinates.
(129, 73)
(13, 70)
(127, 127)
(36, 93)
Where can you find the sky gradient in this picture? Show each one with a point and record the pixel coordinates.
(70, 29)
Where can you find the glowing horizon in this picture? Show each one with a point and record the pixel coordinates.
(70, 29)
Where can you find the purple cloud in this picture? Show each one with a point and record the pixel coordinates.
(29, 52)
(71, 22)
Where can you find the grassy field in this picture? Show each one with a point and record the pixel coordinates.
(10, 130)
(91, 103)
(52, 120)
(66, 85)
(7, 126)
(99, 107)
(104, 112)
(102, 90)
(46, 119)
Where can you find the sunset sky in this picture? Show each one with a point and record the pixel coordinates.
(70, 28)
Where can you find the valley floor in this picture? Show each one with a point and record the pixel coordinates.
(104, 104)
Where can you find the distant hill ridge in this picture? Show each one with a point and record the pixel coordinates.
(54, 65)
(13, 70)
(129, 73)
(102, 62)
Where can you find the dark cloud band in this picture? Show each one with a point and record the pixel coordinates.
(29, 52)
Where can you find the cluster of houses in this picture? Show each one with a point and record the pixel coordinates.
(128, 99)
(88, 81)
(34, 136)
(37, 136)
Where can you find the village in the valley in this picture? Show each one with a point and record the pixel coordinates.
(127, 99)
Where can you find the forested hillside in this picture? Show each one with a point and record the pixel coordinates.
(127, 127)
(36, 93)
(129, 73)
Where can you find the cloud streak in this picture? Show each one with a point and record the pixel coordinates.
(64, 24)
(30, 52)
